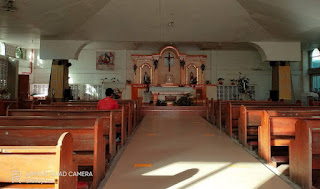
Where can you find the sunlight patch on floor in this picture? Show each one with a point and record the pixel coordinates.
(215, 174)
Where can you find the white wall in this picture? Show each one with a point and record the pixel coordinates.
(228, 64)
(220, 64)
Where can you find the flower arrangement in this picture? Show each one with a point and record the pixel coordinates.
(182, 63)
(135, 69)
(220, 80)
(155, 63)
(203, 67)
(233, 81)
(4, 93)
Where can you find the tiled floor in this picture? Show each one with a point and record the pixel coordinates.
(177, 151)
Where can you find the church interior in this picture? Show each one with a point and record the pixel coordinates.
(211, 94)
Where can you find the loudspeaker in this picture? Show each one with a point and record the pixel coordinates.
(274, 95)
(272, 63)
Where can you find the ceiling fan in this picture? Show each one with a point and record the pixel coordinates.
(8, 5)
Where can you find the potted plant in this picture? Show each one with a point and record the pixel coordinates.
(220, 80)
(233, 81)
(4, 93)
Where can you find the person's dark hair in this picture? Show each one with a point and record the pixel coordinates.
(109, 92)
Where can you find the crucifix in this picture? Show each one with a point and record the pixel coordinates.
(169, 59)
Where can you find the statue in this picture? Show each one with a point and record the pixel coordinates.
(243, 84)
(193, 80)
(243, 88)
(191, 76)
(146, 78)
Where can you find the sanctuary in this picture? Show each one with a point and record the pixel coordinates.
(169, 75)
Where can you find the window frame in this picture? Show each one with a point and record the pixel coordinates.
(312, 71)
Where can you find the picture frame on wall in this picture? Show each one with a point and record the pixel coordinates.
(105, 60)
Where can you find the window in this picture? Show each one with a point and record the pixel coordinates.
(315, 59)
(315, 81)
(3, 73)
(314, 70)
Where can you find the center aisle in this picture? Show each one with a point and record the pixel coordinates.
(172, 150)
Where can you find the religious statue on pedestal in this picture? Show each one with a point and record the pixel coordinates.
(146, 78)
(193, 80)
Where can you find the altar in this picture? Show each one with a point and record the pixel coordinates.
(168, 76)
(170, 93)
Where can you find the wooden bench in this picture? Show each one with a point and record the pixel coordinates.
(19, 161)
(250, 119)
(139, 106)
(220, 108)
(304, 154)
(48, 110)
(129, 105)
(276, 131)
(233, 113)
(314, 103)
(89, 142)
(2, 109)
(109, 126)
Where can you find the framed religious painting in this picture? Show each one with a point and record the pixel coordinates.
(105, 60)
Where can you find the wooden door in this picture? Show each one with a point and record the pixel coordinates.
(23, 86)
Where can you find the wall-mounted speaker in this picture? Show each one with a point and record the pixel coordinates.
(274, 95)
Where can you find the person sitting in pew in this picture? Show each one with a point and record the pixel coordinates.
(108, 103)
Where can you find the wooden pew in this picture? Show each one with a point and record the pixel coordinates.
(17, 161)
(207, 109)
(11, 104)
(233, 113)
(25, 103)
(220, 108)
(129, 106)
(139, 105)
(314, 103)
(120, 115)
(129, 103)
(116, 119)
(2, 109)
(304, 154)
(211, 111)
(276, 131)
(129, 113)
(89, 143)
(250, 119)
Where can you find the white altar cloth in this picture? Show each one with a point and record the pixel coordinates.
(171, 90)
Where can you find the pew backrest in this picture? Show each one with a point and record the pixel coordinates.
(304, 152)
(276, 127)
(19, 161)
(88, 135)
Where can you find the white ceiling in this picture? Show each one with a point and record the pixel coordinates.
(127, 23)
